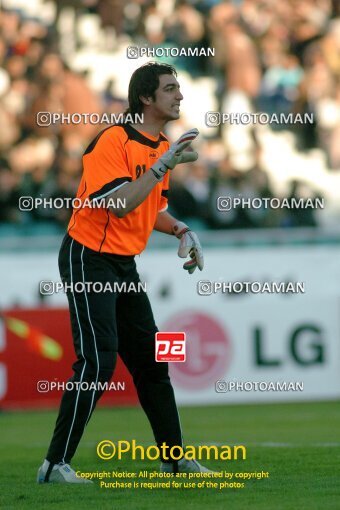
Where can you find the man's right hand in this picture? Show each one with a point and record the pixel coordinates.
(176, 154)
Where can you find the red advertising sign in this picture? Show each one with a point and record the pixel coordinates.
(36, 357)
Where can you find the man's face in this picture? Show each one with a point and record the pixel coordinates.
(167, 98)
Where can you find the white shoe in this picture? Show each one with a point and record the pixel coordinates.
(61, 473)
(185, 466)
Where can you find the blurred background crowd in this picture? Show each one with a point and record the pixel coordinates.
(274, 56)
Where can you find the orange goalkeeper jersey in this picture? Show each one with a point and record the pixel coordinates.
(118, 155)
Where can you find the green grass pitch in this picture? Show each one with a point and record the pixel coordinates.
(298, 444)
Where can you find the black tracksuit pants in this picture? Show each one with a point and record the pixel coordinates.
(104, 324)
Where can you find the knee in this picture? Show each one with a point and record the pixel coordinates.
(99, 367)
(107, 363)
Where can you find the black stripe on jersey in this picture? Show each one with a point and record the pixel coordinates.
(165, 193)
(110, 186)
(75, 214)
(135, 135)
(107, 222)
(94, 141)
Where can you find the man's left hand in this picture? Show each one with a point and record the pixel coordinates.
(189, 245)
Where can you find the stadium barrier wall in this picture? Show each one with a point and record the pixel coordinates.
(231, 337)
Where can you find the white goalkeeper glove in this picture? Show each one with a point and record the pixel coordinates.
(189, 244)
(176, 154)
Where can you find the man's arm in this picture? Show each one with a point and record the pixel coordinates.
(133, 193)
(165, 223)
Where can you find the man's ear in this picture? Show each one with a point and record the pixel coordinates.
(146, 100)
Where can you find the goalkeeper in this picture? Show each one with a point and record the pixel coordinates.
(131, 162)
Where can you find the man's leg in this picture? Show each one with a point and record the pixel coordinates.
(136, 336)
(95, 341)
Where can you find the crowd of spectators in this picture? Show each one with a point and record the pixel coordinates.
(278, 55)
